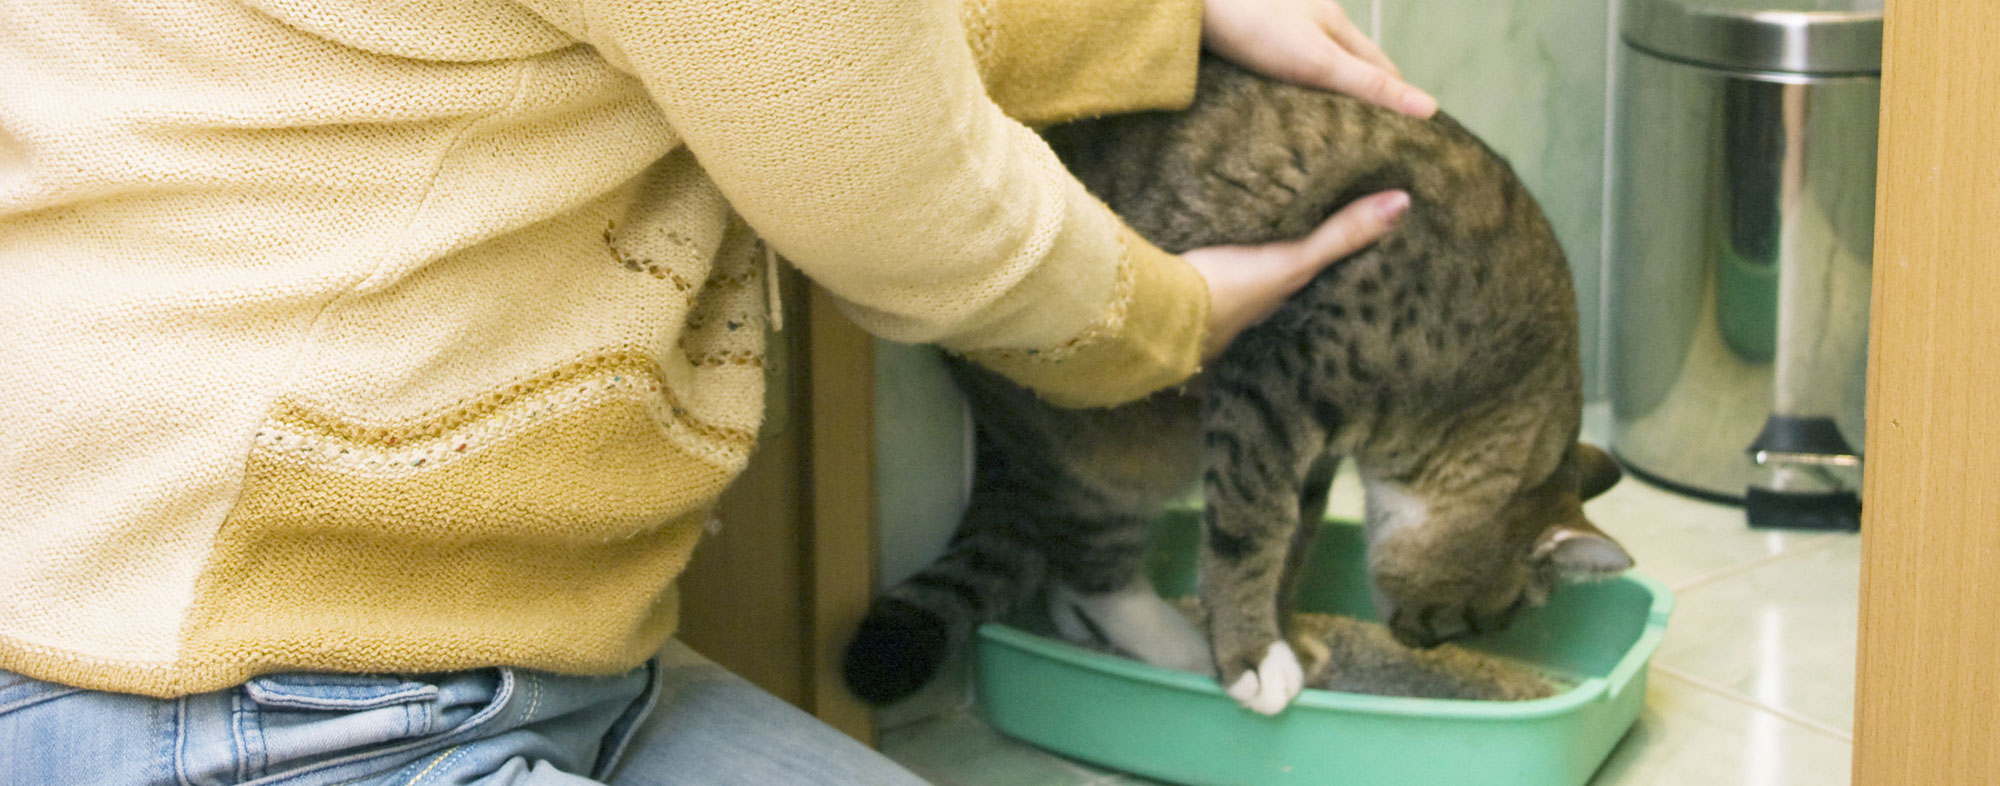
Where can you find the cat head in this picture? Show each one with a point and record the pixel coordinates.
(1443, 574)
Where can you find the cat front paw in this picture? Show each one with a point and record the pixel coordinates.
(1272, 685)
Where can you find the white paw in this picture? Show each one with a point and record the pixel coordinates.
(1273, 684)
(1175, 644)
(1133, 620)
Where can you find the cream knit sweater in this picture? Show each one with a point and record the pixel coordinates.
(422, 334)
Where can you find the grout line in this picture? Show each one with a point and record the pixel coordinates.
(1375, 21)
(1604, 201)
(1089, 774)
(1739, 698)
(969, 440)
(1807, 545)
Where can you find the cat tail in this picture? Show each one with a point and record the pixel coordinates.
(991, 568)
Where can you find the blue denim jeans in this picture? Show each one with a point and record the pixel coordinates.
(677, 720)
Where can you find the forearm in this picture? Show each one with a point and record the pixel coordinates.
(858, 140)
(1048, 61)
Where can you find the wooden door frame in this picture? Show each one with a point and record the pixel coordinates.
(1928, 677)
(842, 562)
(776, 592)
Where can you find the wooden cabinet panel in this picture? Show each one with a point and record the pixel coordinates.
(1928, 703)
(777, 593)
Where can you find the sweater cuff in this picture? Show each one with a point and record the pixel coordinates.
(1051, 61)
(1149, 340)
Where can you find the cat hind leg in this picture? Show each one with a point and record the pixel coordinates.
(1133, 620)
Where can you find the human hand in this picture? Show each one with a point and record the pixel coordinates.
(1312, 43)
(1246, 284)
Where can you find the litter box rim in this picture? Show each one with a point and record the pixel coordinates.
(1608, 687)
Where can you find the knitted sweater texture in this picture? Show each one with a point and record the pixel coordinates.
(409, 336)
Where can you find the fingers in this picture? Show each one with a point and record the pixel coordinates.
(1248, 283)
(1338, 24)
(1347, 72)
(1310, 42)
(1354, 227)
(1360, 68)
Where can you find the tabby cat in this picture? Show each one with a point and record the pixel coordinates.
(1443, 359)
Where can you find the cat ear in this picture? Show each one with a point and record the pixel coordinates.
(1596, 471)
(1579, 550)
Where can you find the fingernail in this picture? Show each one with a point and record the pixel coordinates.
(1392, 206)
(1419, 103)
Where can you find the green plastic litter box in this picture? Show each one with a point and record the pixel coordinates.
(1179, 727)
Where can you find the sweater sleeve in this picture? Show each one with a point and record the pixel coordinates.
(856, 136)
(1049, 61)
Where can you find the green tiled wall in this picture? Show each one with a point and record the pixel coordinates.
(1529, 77)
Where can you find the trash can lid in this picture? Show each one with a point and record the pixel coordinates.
(1794, 36)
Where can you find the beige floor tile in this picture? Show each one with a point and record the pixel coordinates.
(1691, 736)
(958, 749)
(1681, 540)
(1781, 634)
(1678, 539)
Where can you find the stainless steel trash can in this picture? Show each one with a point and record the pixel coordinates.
(1743, 180)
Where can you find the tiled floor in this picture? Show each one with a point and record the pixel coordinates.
(1752, 687)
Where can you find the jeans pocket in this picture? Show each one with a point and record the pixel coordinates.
(19, 692)
(296, 722)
